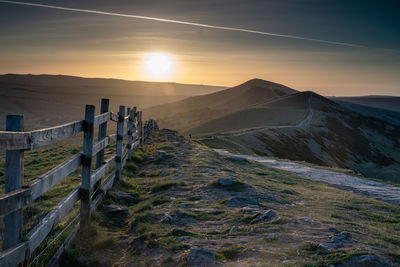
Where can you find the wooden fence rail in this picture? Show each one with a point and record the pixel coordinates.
(14, 141)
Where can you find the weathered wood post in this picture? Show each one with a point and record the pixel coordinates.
(120, 139)
(131, 113)
(102, 133)
(14, 180)
(140, 125)
(88, 136)
(136, 125)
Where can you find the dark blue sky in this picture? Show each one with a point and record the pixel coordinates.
(40, 40)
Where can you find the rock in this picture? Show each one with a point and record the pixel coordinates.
(292, 221)
(337, 241)
(307, 220)
(124, 198)
(238, 159)
(138, 243)
(115, 213)
(271, 197)
(266, 216)
(342, 237)
(164, 173)
(167, 218)
(241, 202)
(233, 229)
(177, 215)
(225, 181)
(161, 154)
(365, 261)
(250, 210)
(195, 198)
(334, 230)
(199, 257)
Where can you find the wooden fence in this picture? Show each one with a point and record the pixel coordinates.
(18, 248)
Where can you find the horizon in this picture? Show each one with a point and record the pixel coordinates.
(333, 49)
(199, 84)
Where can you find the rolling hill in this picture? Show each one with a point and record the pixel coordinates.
(188, 112)
(376, 101)
(284, 111)
(47, 100)
(331, 134)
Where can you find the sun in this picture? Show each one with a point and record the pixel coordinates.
(158, 64)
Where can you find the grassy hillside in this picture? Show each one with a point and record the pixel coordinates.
(287, 110)
(382, 102)
(194, 110)
(335, 136)
(47, 100)
(379, 113)
(178, 207)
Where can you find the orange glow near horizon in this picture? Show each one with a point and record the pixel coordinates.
(170, 64)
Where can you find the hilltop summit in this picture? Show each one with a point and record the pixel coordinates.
(198, 109)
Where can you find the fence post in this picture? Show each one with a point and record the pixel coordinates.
(140, 124)
(86, 167)
(14, 180)
(120, 139)
(102, 133)
(131, 113)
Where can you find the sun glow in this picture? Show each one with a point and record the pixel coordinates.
(158, 65)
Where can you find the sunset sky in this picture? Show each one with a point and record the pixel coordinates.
(43, 40)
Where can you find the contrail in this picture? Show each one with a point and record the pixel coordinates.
(184, 23)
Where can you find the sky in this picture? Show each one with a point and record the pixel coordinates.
(42, 40)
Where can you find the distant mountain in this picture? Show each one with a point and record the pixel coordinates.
(47, 100)
(376, 101)
(309, 127)
(188, 112)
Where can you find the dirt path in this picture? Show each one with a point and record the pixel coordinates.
(300, 124)
(369, 188)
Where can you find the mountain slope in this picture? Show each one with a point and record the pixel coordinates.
(334, 136)
(47, 100)
(284, 111)
(185, 113)
(383, 102)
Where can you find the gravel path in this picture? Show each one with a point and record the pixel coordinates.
(369, 188)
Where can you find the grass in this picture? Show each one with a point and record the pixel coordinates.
(160, 200)
(200, 216)
(231, 253)
(37, 163)
(236, 186)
